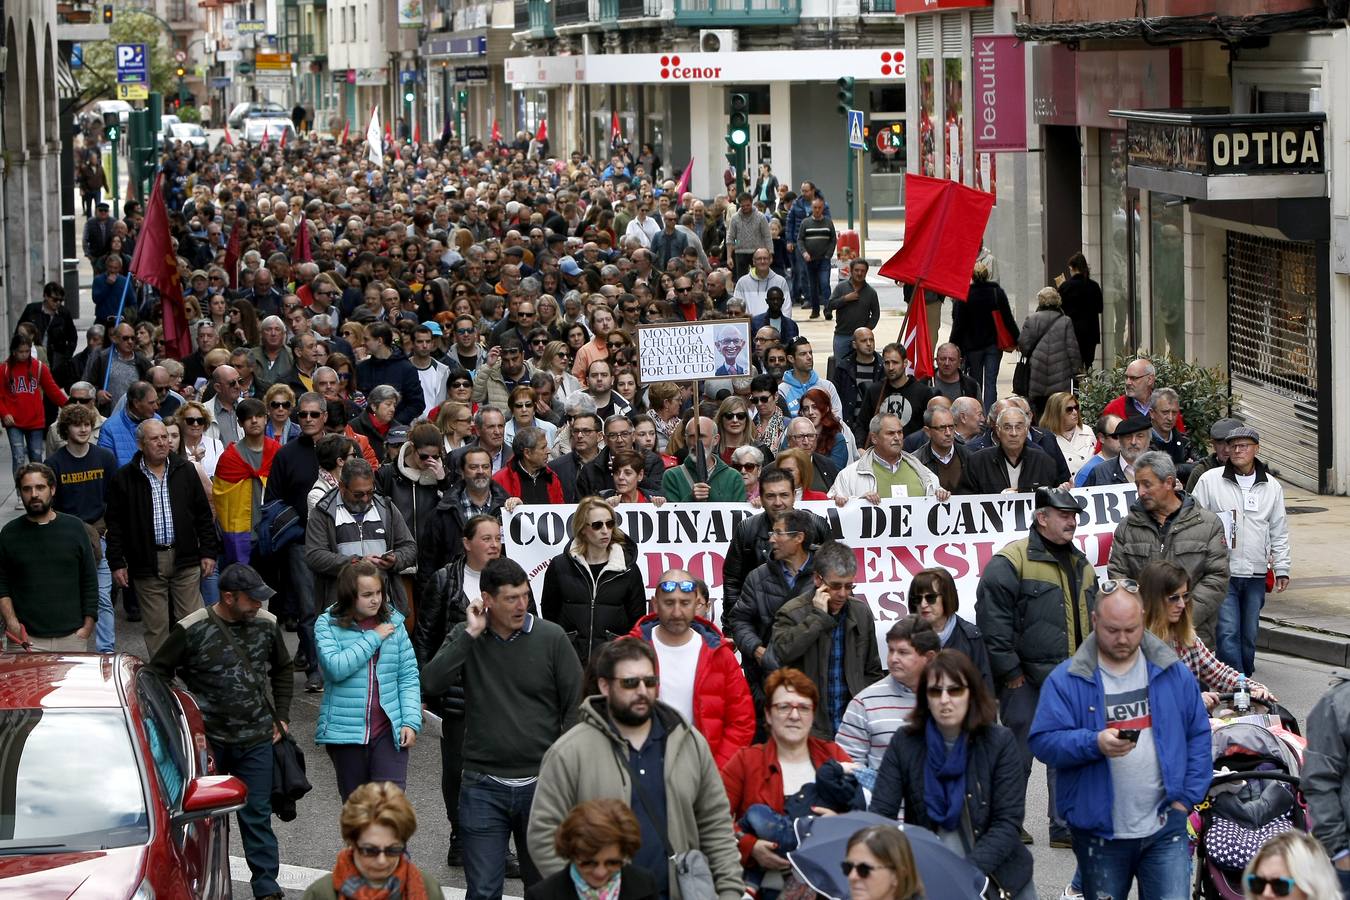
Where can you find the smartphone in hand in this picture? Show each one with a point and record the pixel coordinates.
(1128, 734)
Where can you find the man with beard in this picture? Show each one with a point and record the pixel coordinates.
(898, 393)
(630, 745)
(506, 659)
(48, 577)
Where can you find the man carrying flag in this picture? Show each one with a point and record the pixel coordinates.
(615, 132)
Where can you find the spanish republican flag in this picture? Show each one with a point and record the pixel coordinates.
(232, 489)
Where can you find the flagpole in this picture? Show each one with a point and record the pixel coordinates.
(121, 304)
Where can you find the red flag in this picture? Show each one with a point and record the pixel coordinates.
(154, 263)
(496, 132)
(283, 137)
(303, 251)
(541, 133)
(615, 132)
(417, 132)
(262, 145)
(388, 133)
(233, 252)
(398, 154)
(914, 336)
(944, 226)
(346, 130)
(229, 138)
(683, 184)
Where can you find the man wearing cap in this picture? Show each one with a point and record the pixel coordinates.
(98, 232)
(1134, 435)
(1243, 489)
(1032, 606)
(226, 656)
(1218, 455)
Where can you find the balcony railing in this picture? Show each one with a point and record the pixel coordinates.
(571, 12)
(312, 45)
(712, 13)
(878, 6)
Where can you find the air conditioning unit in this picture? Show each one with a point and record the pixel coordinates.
(717, 40)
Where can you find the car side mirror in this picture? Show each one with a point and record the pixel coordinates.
(211, 796)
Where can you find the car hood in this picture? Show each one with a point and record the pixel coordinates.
(72, 876)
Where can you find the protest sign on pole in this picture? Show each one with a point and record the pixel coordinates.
(892, 540)
(694, 351)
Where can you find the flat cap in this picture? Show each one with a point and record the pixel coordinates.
(1131, 425)
(1056, 498)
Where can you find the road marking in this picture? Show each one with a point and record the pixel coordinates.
(298, 878)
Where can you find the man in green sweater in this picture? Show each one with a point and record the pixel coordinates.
(716, 483)
(48, 577)
(522, 684)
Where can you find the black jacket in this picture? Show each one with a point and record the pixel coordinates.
(996, 785)
(416, 500)
(966, 637)
(442, 540)
(748, 550)
(131, 530)
(398, 372)
(973, 321)
(57, 332)
(924, 454)
(1039, 437)
(365, 426)
(850, 390)
(595, 477)
(750, 622)
(593, 610)
(986, 471)
(295, 468)
(635, 883)
(568, 468)
(1081, 300)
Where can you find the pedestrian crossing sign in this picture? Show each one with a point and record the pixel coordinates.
(855, 130)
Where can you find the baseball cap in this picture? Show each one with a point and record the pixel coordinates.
(397, 435)
(569, 266)
(244, 579)
(433, 327)
(1244, 432)
(1220, 430)
(1131, 425)
(1055, 498)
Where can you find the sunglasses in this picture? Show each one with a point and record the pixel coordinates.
(1179, 597)
(630, 684)
(370, 852)
(309, 414)
(1280, 887)
(523, 404)
(344, 376)
(428, 457)
(679, 290)
(746, 467)
(461, 383)
(1069, 409)
(1125, 584)
(736, 415)
(606, 525)
(672, 586)
(864, 870)
(82, 400)
(929, 599)
(951, 690)
(280, 404)
(762, 398)
(190, 420)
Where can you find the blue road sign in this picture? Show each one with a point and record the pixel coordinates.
(855, 130)
(133, 64)
(77, 56)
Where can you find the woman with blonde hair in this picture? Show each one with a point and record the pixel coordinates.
(556, 360)
(798, 462)
(280, 427)
(377, 822)
(195, 419)
(455, 420)
(1291, 865)
(1063, 417)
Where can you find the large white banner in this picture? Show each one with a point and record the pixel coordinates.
(892, 541)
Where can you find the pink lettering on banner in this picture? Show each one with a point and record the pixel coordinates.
(1000, 88)
(892, 540)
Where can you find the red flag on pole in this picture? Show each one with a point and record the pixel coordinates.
(496, 132)
(417, 133)
(944, 226)
(229, 138)
(283, 137)
(388, 132)
(154, 263)
(232, 252)
(615, 132)
(262, 145)
(683, 184)
(914, 337)
(541, 133)
(346, 130)
(303, 251)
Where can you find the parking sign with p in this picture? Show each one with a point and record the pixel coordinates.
(132, 64)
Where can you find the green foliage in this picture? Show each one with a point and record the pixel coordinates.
(189, 112)
(1204, 392)
(129, 26)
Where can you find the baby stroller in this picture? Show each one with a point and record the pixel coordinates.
(1254, 795)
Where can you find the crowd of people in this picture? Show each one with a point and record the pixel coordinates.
(386, 359)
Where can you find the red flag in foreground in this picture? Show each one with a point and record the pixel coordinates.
(417, 133)
(541, 133)
(154, 263)
(683, 184)
(496, 132)
(615, 132)
(916, 340)
(944, 226)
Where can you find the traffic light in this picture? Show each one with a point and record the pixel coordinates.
(112, 126)
(738, 132)
(409, 96)
(845, 95)
(462, 100)
(107, 14)
(180, 71)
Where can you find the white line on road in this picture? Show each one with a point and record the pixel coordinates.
(297, 878)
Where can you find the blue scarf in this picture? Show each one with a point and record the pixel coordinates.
(607, 891)
(944, 779)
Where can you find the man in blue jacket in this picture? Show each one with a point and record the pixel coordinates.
(1122, 723)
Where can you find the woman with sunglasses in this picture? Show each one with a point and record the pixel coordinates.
(549, 316)
(765, 780)
(598, 839)
(832, 438)
(749, 461)
(933, 598)
(377, 822)
(524, 408)
(1165, 588)
(879, 865)
(198, 446)
(455, 422)
(1063, 418)
(959, 774)
(593, 589)
(1293, 865)
(770, 424)
(556, 360)
(242, 330)
(280, 399)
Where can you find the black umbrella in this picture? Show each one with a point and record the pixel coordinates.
(946, 876)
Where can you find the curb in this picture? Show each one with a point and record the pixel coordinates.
(1326, 647)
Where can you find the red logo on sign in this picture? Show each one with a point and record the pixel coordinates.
(886, 62)
(667, 61)
(672, 70)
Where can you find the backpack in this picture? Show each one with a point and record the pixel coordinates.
(278, 527)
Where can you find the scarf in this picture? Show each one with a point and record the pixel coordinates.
(405, 884)
(609, 891)
(944, 779)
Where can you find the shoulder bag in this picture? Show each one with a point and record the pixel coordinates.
(289, 783)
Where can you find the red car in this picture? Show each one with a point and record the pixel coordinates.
(106, 785)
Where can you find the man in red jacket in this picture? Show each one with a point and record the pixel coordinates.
(700, 676)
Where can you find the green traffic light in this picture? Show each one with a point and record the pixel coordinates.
(408, 97)
(739, 137)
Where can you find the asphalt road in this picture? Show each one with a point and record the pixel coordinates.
(310, 843)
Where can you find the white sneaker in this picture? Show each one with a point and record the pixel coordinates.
(1070, 893)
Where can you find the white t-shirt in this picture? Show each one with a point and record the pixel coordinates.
(471, 589)
(678, 667)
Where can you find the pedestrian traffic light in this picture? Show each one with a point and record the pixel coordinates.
(738, 132)
(112, 126)
(845, 95)
(409, 96)
(463, 99)
(107, 14)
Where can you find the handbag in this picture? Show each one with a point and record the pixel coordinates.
(289, 783)
(1005, 339)
(1021, 382)
(693, 873)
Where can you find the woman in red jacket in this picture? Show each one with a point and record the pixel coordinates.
(774, 771)
(24, 380)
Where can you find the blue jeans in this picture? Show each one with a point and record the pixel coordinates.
(211, 587)
(818, 284)
(1161, 862)
(252, 764)
(983, 365)
(25, 446)
(302, 582)
(489, 814)
(843, 344)
(105, 628)
(1239, 618)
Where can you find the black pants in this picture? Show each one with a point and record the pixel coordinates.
(452, 766)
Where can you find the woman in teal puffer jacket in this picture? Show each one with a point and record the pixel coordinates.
(372, 702)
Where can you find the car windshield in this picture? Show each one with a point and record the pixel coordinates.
(57, 795)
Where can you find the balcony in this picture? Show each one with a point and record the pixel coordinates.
(535, 17)
(312, 45)
(1168, 20)
(79, 21)
(571, 12)
(878, 6)
(721, 13)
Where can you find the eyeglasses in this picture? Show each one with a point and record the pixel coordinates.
(680, 290)
(736, 415)
(1109, 586)
(928, 599)
(1181, 597)
(617, 345)
(309, 414)
(672, 586)
(583, 431)
(631, 683)
(189, 420)
(605, 525)
(776, 533)
(951, 690)
(461, 383)
(280, 404)
(371, 852)
(784, 709)
(234, 383)
(864, 870)
(611, 435)
(762, 398)
(744, 467)
(1069, 409)
(1281, 886)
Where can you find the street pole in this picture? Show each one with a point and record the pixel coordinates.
(848, 169)
(116, 181)
(862, 204)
